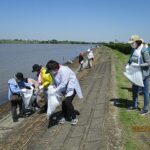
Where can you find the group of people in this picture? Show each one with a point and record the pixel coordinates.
(61, 77)
(140, 57)
(86, 63)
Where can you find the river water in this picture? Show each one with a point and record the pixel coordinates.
(20, 58)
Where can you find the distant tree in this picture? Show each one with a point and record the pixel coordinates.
(54, 41)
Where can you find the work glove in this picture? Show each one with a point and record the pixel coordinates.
(23, 90)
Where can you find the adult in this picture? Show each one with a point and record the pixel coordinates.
(44, 80)
(90, 57)
(16, 86)
(140, 58)
(66, 83)
(81, 61)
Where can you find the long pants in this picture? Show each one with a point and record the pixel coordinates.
(81, 66)
(14, 105)
(135, 90)
(90, 63)
(68, 108)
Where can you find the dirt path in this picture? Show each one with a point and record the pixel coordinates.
(91, 130)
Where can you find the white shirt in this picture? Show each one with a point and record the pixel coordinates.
(137, 53)
(66, 81)
(90, 55)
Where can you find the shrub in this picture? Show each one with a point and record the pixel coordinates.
(122, 47)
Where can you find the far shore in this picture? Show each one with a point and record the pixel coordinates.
(20, 41)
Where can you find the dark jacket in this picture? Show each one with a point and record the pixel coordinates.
(80, 58)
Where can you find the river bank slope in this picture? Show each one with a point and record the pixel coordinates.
(96, 129)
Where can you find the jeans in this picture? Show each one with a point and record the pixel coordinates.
(135, 90)
(81, 66)
(90, 63)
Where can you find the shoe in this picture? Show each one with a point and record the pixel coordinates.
(62, 120)
(143, 112)
(15, 120)
(42, 111)
(21, 116)
(36, 108)
(74, 121)
(132, 108)
(141, 93)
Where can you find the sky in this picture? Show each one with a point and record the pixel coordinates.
(79, 20)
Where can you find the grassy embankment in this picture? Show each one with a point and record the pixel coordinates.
(135, 128)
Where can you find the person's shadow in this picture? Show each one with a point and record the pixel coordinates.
(54, 118)
(121, 102)
(127, 88)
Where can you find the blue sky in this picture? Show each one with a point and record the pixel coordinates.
(86, 20)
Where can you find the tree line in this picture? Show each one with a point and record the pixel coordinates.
(122, 47)
(54, 41)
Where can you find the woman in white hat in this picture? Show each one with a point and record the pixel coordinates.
(140, 58)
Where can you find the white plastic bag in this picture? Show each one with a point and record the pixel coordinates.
(134, 74)
(82, 62)
(53, 100)
(85, 64)
(27, 98)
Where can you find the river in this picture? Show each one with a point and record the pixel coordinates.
(20, 58)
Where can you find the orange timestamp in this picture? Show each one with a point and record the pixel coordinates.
(141, 128)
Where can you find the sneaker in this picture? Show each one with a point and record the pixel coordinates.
(62, 120)
(132, 108)
(143, 112)
(74, 121)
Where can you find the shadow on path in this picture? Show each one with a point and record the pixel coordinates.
(54, 118)
(121, 102)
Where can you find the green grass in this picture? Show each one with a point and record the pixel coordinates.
(128, 119)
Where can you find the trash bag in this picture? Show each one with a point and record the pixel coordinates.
(53, 100)
(82, 62)
(85, 64)
(134, 74)
(27, 97)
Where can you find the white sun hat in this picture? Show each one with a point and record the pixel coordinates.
(135, 38)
